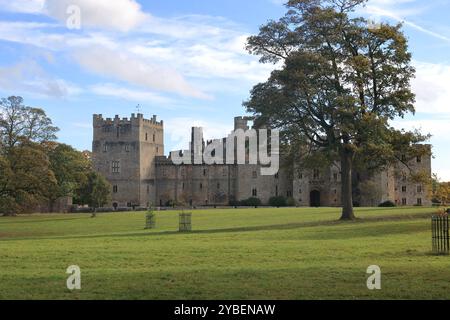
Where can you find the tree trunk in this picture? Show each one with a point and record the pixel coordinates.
(347, 190)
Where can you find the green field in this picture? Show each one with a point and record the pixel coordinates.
(231, 254)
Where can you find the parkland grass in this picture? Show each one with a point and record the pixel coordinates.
(294, 253)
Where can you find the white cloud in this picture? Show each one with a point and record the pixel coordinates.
(213, 60)
(432, 87)
(29, 77)
(194, 27)
(122, 66)
(23, 6)
(113, 90)
(197, 49)
(394, 10)
(122, 15)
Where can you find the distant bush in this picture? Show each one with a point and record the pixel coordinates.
(387, 204)
(278, 202)
(290, 202)
(356, 204)
(170, 204)
(251, 202)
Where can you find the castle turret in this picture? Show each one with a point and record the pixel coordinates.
(124, 151)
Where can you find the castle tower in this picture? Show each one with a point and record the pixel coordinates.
(124, 151)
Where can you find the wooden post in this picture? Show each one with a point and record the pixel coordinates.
(185, 222)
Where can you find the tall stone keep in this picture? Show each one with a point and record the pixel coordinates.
(124, 151)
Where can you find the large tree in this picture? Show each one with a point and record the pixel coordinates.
(26, 180)
(96, 191)
(71, 169)
(20, 122)
(339, 84)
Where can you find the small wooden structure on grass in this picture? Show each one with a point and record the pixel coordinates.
(440, 234)
(185, 222)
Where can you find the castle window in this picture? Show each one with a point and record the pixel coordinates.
(419, 159)
(404, 177)
(335, 176)
(182, 186)
(127, 148)
(118, 131)
(201, 186)
(116, 167)
(277, 176)
(105, 148)
(254, 192)
(300, 175)
(404, 202)
(419, 189)
(300, 191)
(255, 175)
(419, 201)
(404, 189)
(276, 191)
(115, 189)
(154, 137)
(146, 136)
(204, 172)
(218, 186)
(316, 174)
(157, 149)
(289, 194)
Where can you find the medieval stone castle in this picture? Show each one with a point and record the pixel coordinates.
(130, 154)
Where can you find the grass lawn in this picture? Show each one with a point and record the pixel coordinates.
(231, 254)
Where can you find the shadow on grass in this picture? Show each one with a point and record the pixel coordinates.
(364, 231)
(12, 220)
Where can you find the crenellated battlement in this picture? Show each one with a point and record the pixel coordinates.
(136, 120)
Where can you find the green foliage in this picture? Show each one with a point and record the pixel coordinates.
(35, 170)
(341, 84)
(71, 169)
(290, 202)
(170, 203)
(278, 202)
(441, 193)
(251, 202)
(26, 180)
(96, 191)
(150, 217)
(19, 122)
(387, 204)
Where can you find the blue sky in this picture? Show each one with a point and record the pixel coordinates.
(184, 61)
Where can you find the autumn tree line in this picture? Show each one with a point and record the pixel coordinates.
(35, 170)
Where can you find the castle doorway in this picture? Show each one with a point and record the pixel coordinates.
(314, 198)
